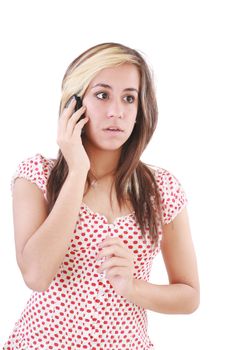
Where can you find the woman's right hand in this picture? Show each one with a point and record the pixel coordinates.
(69, 137)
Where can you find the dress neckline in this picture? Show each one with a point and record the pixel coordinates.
(119, 218)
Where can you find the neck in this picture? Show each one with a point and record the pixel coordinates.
(103, 162)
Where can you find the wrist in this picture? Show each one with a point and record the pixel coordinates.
(78, 173)
(132, 291)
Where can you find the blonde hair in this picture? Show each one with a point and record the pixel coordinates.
(83, 69)
(132, 176)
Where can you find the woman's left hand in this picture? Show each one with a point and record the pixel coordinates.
(119, 265)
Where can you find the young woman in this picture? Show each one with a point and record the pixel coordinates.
(89, 223)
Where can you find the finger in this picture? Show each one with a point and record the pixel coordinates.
(109, 241)
(115, 250)
(71, 124)
(112, 240)
(68, 111)
(64, 118)
(71, 100)
(115, 261)
(117, 271)
(79, 126)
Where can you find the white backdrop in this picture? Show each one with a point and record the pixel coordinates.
(189, 45)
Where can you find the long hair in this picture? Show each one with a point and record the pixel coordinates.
(133, 178)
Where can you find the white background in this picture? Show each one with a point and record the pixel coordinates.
(189, 45)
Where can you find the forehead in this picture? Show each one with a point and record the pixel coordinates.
(125, 75)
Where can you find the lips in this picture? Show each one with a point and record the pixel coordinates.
(113, 128)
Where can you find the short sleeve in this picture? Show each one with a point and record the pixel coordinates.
(173, 196)
(35, 169)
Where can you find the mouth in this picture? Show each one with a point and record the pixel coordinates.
(113, 132)
(113, 129)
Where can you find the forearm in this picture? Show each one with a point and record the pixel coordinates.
(45, 250)
(168, 299)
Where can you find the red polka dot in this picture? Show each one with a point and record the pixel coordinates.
(80, 309)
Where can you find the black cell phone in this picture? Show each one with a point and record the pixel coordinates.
(77, 106)
(78, 102)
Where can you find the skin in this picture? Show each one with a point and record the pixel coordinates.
(104, 107)
(107, 106)
(181, 295)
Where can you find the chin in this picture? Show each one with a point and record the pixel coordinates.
(106, 145)
(109, 148)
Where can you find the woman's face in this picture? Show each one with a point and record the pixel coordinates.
(111, 101)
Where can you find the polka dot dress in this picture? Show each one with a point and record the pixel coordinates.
(80, 309)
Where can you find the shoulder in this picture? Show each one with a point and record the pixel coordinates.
(36, 165)
(35, 169)
(165, 179)
(172, 195)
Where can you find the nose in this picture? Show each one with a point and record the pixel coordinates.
(115, 109)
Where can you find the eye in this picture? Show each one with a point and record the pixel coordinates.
(104, 95)
(130, 98)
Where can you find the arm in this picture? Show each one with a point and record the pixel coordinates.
(42, 240)
(182, 294)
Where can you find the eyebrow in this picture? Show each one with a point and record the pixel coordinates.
(109, 87)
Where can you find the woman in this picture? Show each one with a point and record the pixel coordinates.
(89, 223)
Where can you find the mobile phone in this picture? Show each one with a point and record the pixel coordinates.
(78, 102)
(77, 106)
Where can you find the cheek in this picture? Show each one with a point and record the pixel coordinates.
(132, 111)
(90, 113)
(133, 115)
